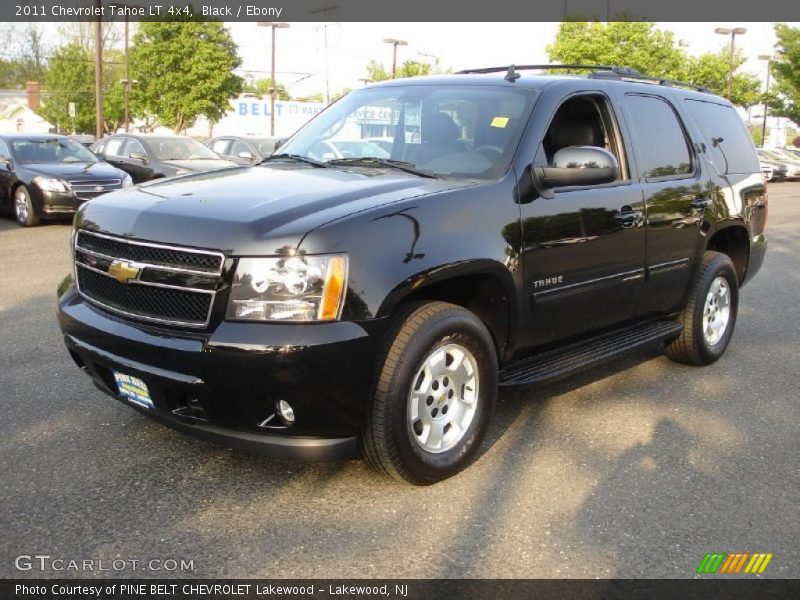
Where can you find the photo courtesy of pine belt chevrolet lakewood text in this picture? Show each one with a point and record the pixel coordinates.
(367, 287)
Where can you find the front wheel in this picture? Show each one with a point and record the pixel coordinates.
(434, 395)
(709, 316)
(23, 208)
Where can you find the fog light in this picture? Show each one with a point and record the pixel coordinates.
(286, 411)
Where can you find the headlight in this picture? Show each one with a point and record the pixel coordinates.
(127, 181)
(295, 288)
(49, 184)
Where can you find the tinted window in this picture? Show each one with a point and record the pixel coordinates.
(239, 146)
(134, 146)
(113, 147)
(736, 148)
(4, 150)
(659, 137)
(51, 151)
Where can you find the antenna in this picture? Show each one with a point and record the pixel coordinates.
(512, 75)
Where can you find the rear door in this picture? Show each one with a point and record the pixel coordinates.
(6, 175)
(138, 169)
(676, 193)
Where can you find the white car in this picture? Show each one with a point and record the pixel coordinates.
(332, 149)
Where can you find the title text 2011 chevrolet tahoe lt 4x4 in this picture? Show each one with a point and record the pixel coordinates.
(523, 226)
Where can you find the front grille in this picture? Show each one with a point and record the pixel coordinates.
(147, 281)
(91, 188)
(156, 254)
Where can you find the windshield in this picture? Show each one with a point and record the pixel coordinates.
(180, 149)
(265, 147)
(51, 150)
(457, 131)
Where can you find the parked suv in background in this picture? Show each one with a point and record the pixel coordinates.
(147, 157)
(242, 150)
(48, 176)
(522, 227)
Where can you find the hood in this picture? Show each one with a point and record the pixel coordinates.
(235, 210)
(75, 171)
(199, 164)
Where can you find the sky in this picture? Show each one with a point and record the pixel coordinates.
(300, 55)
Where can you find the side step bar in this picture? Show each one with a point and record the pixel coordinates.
(580, 355)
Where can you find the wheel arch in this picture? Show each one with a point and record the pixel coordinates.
(733, 240)
(484, 287)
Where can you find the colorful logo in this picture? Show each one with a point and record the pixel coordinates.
(734, 563)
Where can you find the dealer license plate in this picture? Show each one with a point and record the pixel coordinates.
(133, 389)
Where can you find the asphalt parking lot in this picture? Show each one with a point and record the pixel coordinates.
(632, 470)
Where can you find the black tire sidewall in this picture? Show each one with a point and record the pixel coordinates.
(427, 467)
(721, 267)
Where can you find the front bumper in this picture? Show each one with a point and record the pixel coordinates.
(222, 385)
(57, 204)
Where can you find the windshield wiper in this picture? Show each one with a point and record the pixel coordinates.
(371, 161)
(295, 158)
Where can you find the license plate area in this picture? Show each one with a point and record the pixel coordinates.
(133, 389)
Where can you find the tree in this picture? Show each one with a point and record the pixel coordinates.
(651, 51)
(784, 97)
(410, 68)
(69, 78)
(184, 71)
(262, 87)
(25, 49)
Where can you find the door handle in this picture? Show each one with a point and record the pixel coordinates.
(700, 203)
(629, 218)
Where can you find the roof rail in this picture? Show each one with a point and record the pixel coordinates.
(544, 68)
(598, 72)
(637, 77)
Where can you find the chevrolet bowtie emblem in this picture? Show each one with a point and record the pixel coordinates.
(123, 271)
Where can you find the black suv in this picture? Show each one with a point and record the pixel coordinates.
(524, 226)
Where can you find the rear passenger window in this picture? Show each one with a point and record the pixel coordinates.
(727, 140)
(219, 146)
(659, 137)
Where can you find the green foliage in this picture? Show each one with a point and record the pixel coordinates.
(184, 70)
(784, 97)
(652, 51)
(69, 77)
(410, 68)
(340, 94)
(24, 48)
(262, 87)
(755, 133)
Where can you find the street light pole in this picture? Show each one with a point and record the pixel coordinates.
(395, 43)
(273, 92)
(733, 33)
(99, 123)
(767, 58)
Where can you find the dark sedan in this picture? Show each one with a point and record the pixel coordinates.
(243, 150)
(147, 157)
(50, 176)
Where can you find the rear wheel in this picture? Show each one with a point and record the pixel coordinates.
(434, 395)
(710, 314)
(23, 208)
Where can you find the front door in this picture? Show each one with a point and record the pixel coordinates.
(584, 248)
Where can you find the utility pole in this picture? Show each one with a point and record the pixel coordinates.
(395, 43)
(127, 88)
(733, 33)
(99, 124)
(273, 92)
(324, 11)
(769, 59)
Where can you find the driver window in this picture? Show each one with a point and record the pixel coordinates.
(134, 146)
(581, 121)
(4, 153)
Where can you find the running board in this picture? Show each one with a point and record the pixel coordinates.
(580, 355)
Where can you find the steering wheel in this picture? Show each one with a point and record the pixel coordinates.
(492, 150)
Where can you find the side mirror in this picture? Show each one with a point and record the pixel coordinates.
(278, 143)
(138, 156)
(579, 165)
(246, 155)
(6, 162)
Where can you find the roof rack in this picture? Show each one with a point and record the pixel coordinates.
(598, 72)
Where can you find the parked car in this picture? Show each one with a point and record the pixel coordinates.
(48, 176)
(147, 157)
(795, 152)
(767, 170)
(791, 165)
(779, 170)
(345, 148)
(318, 306)
(243, 150)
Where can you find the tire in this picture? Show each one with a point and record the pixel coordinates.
(24, 212)
(450, 342)
(703, 342)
